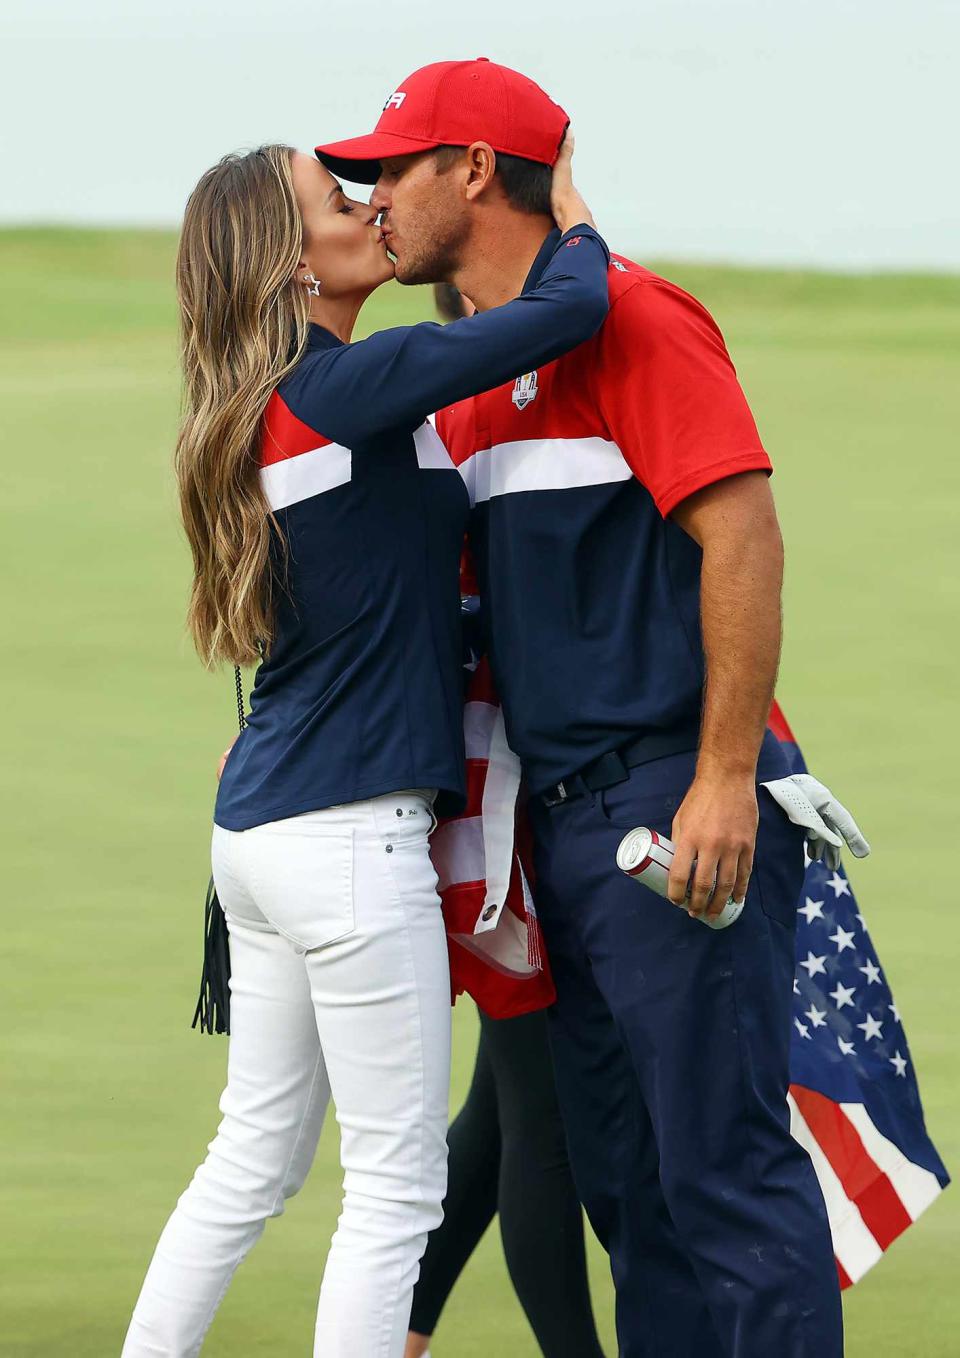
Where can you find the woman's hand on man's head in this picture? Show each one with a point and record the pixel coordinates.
(568, 204)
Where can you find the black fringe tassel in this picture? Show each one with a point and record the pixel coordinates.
(213, 1006)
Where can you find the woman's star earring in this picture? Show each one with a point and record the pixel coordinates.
(314, 291)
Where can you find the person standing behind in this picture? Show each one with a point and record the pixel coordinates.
(508, 1159)
(630, 563)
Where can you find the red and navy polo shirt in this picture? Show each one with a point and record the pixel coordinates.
(361, 692)
(591, 592)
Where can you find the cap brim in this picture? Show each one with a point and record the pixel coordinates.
(359, 158)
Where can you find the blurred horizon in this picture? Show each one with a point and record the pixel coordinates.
(31, 231)
(737, 132)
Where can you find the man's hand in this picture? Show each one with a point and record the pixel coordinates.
(225, 756)
(716, 825)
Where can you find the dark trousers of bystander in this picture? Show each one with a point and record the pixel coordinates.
(508, 1155)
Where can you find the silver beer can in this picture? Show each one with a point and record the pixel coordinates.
(647, 856)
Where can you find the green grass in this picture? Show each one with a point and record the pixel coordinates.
(111, 732)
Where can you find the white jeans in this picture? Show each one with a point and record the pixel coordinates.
(340, 985)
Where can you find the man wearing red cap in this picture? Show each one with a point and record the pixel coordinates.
(630, 564)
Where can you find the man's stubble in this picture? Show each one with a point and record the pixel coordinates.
(435, 252)
(432, 261)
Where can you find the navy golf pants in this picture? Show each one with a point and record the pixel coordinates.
(671, 1044)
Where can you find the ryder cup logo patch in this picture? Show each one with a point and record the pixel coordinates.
(395, 100)
(524, 390)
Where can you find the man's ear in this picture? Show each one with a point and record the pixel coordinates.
(481, 167)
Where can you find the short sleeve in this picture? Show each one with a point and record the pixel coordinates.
(670, 396)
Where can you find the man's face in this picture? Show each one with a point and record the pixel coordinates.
(425, 217)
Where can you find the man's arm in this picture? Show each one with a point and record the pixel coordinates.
(680, 418)
(735, 523)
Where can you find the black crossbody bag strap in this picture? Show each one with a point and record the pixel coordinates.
(213, 1005)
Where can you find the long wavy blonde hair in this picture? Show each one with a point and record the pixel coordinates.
(243, 324)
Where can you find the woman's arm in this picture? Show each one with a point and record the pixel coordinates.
(399, 376)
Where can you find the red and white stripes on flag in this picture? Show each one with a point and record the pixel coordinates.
(496, 951)
(872, 1191)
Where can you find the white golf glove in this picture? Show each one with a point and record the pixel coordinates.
(828, 823)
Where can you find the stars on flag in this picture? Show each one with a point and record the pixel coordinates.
(815, 965)
(811, 910)
(841, 995)
(871, 1027)
(872, 972)
(843, 939)
(899, 1064)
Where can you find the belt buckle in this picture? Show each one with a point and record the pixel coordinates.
(558, 800)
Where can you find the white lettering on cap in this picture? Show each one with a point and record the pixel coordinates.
(395, 100)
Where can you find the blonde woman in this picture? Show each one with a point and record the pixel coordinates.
(326, 521)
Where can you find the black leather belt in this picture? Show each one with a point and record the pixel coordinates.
(614, 766)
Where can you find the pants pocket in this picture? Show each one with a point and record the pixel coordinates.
(403, 816)
(651, 795)
(778, 865)
(304, 882)
(403, 822)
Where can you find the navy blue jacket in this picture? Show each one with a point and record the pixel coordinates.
(361, 692)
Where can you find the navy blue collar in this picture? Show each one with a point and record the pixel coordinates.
(318, 338)
(544, 256)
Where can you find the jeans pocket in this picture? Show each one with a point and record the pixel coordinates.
(303, 883)
(403, 817)
(403, 822)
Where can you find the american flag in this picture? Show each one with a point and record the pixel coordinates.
(483, 863)
(854, 1101)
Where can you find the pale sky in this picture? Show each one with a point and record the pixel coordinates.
(818, 131)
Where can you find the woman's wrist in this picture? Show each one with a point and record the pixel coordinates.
(576, 214)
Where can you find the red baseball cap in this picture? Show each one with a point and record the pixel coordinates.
(454, 103)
